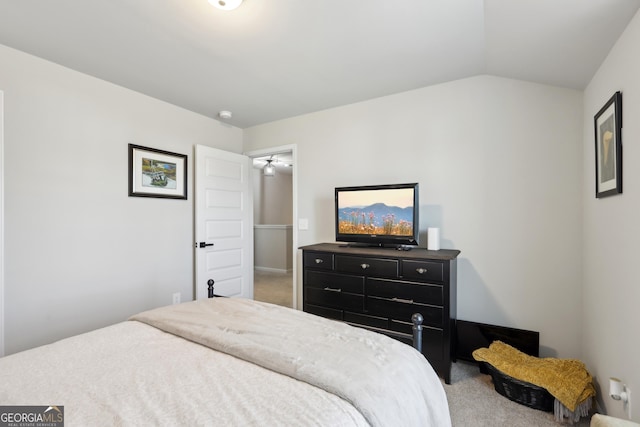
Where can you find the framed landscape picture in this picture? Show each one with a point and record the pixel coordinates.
(608, 138)
(157, 173)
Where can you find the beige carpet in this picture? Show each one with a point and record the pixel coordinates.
(474, 402)
(273, 287)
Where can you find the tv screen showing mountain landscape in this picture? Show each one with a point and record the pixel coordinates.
(376, 212)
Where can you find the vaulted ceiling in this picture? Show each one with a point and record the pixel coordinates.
(273, 59)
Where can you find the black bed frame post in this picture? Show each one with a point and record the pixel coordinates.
(417, 320)
(210, 292)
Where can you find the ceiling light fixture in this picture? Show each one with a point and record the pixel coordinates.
(224, 114)
(269, 169)
(226, 4)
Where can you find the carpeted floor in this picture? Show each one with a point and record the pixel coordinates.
(474, 402)
(273, 287)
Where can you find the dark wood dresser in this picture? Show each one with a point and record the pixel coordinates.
(381, 288)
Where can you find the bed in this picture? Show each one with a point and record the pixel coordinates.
(228, 361)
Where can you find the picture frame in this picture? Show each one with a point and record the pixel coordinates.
(157, 173)
(608, 145)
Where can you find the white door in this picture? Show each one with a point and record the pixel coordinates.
(224, 223)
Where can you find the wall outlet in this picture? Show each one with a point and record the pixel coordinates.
(176, 298)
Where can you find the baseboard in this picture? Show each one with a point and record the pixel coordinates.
(272, 270)
(472, 335)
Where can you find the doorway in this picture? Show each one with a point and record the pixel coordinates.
(275, 237)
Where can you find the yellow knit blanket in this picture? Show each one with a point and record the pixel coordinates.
(565, 379)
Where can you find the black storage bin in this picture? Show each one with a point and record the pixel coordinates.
(520, 391)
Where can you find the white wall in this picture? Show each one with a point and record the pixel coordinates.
(80, 253)
(272, 198)
(611, 231)
(273, 249)
(1, 223)
(499, 166)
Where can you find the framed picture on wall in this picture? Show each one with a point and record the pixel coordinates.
(608, 138)
(157, 173)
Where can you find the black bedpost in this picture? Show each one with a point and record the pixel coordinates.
(417, 320)
(210, 283)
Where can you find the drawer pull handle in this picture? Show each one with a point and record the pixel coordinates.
(332, 289)
(319, 261)
(365, 266)
(406, 301)
(421, 270)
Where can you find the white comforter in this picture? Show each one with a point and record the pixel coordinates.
(390, 383)
(135, 374)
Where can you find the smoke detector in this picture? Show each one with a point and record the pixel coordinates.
(224, 114)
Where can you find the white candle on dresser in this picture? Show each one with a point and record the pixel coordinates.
(433, 239)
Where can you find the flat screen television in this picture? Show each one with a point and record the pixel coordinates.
(377, 215)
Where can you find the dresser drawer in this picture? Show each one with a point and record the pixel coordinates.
(402, 310)
(367, 266)
(335, 282)
(321, 260)
(425, 271)
(330, 297)
(416, 292)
